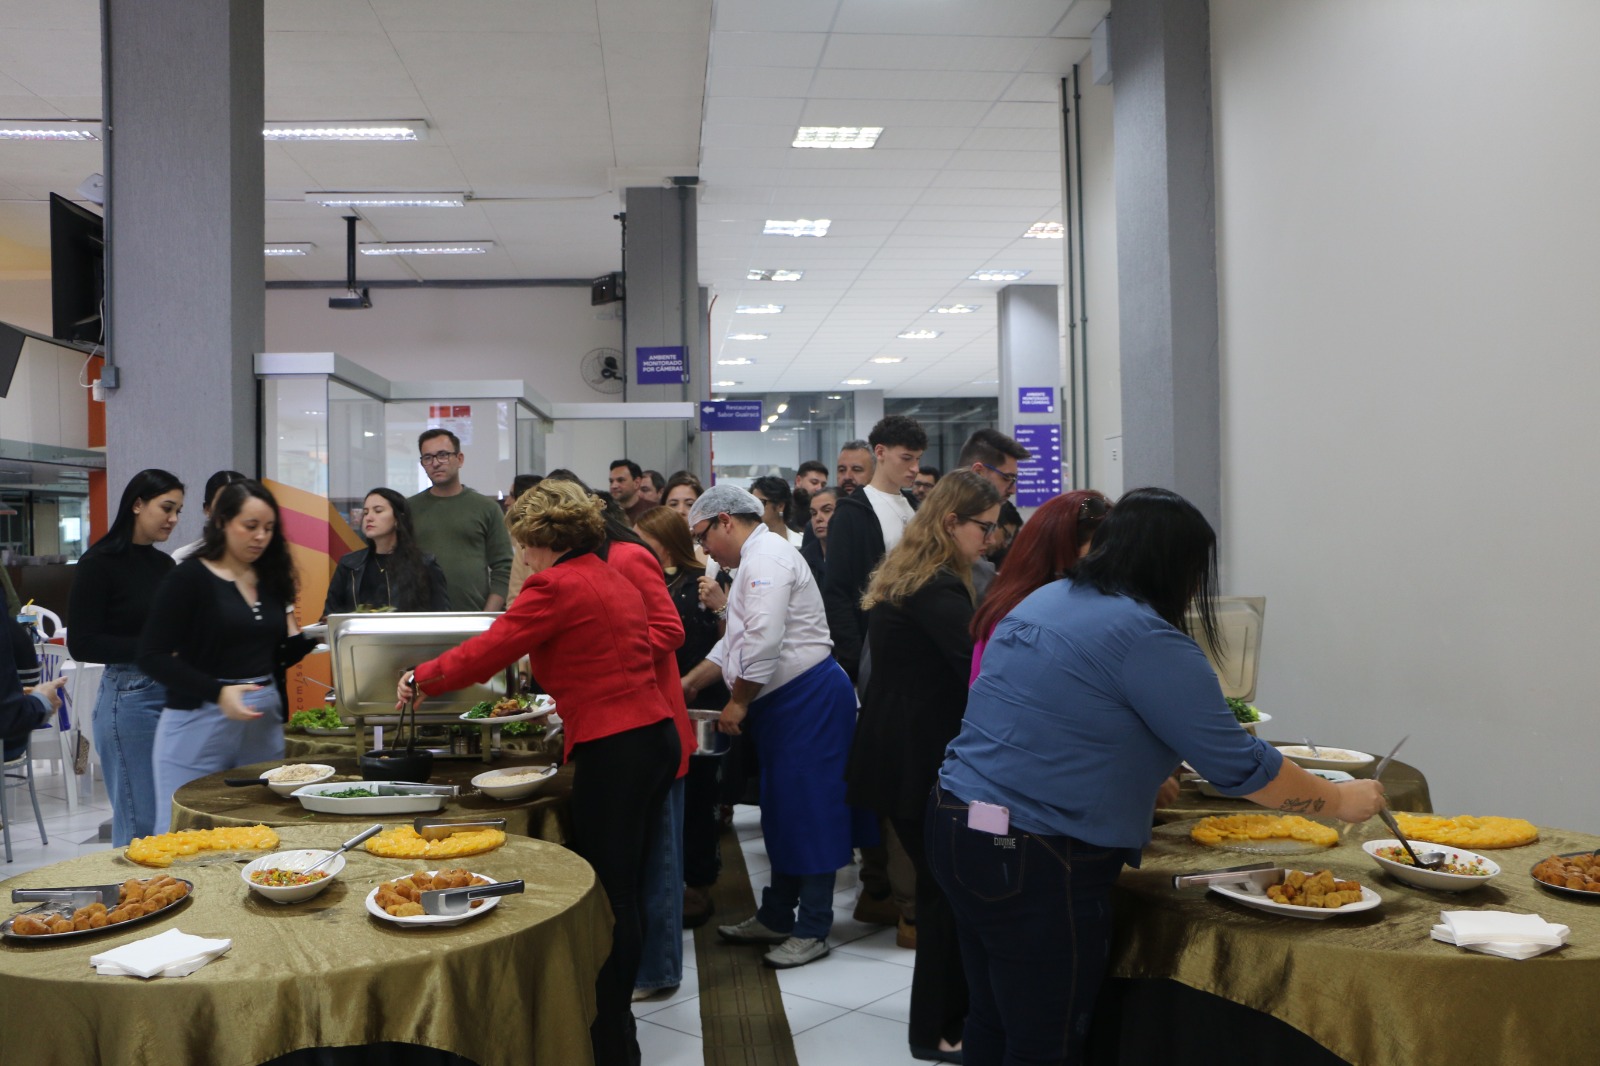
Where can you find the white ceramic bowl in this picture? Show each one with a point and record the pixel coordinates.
(1331, 758)
(1434, 879)
(487, 782)
(286, 788)
(292, 860)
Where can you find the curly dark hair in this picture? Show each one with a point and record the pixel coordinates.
(899, 431)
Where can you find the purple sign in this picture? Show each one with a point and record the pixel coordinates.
(661, 366)
(1036, 401)
(1039, 475)
(725, 415)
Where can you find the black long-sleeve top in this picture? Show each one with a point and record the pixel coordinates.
(201, 634)
(111, 596)
(360, 580)
(18, 713)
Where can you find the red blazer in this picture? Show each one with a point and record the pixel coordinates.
(585, 628)
(643, 570)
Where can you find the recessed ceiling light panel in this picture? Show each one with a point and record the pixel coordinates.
(919, 334)
(287, 249)
(954, 309)
(735, 362)
(392, 130)
(1052, 231)
(22, 129)
(726, 384)
(837, 136)
(758, 309)
(888, 359)
(427, 248)
(856, 381)
(748, 336)
(387, 199)
(797, 227)
(774, 275)
(998, 275)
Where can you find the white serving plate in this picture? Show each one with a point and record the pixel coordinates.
(1208, 789)
(486, 782)
(1254, 896)
(303, 859)
(1437, 880)
(542, 705)
(416, 920)
(1349, 758)
(312, 799)
(289, 788)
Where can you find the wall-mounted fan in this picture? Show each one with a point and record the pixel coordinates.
(603, 370)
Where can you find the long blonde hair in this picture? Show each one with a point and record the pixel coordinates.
(927, 546)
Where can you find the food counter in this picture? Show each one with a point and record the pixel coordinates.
(507, 988)
(1197, 979)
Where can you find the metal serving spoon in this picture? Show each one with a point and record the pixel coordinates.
(353, 841)
(1316, 752)
(1427, 860)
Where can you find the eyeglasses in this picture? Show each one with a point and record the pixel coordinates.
(1093, 508)
(987, 527)
(435, 458)
(700, 537)
(1011, 479)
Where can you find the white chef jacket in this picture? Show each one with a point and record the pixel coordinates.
(777, 629)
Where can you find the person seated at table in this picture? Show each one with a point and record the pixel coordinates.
(217, 634)
(585, 628)
(22, 708)
(392, 570)
(1091, 692)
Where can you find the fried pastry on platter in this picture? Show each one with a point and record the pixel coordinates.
(1254, 828)
(29, 925)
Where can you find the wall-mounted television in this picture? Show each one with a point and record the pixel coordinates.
(11, 340)
(77, 271)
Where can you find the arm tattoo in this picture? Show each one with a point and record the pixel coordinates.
(1300, 806)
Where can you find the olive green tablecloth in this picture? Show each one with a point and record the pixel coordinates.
(207, 803)
(305, 747)
(512, 987)
(1372, 987)
(1403, 783)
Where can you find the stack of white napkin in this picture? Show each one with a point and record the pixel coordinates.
(170, 954)
(1504, 933)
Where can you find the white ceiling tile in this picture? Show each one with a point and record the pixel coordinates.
(901, 51)
(1002, 139)
(724, 135)
(655, 16)
(757, 82)
(488, 16)
(814, 16)
(1036, 115)
(768, 49)
(753, 112)
(1083, 17)
(960, 18)
(329, 14)
(79, 15)
(1039, 88)
(921, 85)
(655, 65)
(1056, 55)
(52, 62)
(892, 113)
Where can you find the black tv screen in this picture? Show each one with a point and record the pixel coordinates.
(77, 271)
(11, 340)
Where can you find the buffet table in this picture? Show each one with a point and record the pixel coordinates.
(515, 986)
(1369, 988)
(1404, 784)
(207, 803)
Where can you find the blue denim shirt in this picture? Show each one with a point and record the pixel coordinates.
(1086, 702)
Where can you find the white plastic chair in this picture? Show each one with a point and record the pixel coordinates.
(63, 723)
(18, 773)
(49, 622)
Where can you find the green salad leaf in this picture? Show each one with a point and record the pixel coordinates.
(324, 717)
(1243, 711)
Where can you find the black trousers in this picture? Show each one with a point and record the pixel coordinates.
(938, 984)
(618, 785)
(702, 851)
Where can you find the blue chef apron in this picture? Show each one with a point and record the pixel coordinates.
(802, 732)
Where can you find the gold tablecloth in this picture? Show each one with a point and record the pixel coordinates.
(305, 747)
(1372, 987)
(513, 987)
(1403, 783)
(207, 803)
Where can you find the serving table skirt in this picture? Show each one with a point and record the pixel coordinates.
(1372, 987)
(207, 803)
(513, 987)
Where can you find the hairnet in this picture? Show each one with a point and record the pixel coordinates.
(722, 499)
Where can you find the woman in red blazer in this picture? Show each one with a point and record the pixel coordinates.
(585, 627)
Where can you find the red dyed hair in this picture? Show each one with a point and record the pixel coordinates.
(1046, 549)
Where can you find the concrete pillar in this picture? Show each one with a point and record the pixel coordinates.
(1030, 385)
(186, 301)
(868, 413)
(1166, 249)
(662, 309)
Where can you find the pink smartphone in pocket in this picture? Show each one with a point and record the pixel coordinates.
(988, 818)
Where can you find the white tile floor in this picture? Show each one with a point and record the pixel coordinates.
(848, 1009)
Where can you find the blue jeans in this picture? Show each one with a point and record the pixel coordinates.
(1033, 914)
(813, 893)
(192, 744)
(661, 954)
(126, 714)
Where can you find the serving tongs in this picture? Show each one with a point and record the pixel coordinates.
(75, 897)
(398, 788)
(1260, 874)
(456, 901)
(437, 829)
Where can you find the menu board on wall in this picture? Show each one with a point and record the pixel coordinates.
(455, 417)
(1039, 475)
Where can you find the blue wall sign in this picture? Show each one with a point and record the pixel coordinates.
(661, 366)
(730, 415)
(1036, 401)
(1039, 475)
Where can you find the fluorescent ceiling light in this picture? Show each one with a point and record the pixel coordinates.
(782, 407)
(954, 309)
(856, 381)
(771, 419)
(799, 227)
(427, 248)
(919, 334)
(1048, 230)
(386, 130)
(837, 136)
(834, 396)
(735, 362)
(774, 275)
(387, 199)
(726, 384)
(987, 381)
(765, 426)
(888, 359)
(758, 309)
(287, 249)
(27, 129)
(748, 336)
(998, 275)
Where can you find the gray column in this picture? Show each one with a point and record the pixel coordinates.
(186, 302)
(868, 408)
(1029, 327)
(1166, 249)
(662, 309)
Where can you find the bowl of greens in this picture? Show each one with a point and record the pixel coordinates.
(321, 721)
(519, 715)
(1249, 715)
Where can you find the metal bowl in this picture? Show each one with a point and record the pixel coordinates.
(707, 739)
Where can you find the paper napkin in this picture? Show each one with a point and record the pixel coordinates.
(170, 954)
(1504, 933)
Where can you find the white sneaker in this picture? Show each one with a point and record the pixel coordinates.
(751, 931)
(796, 951)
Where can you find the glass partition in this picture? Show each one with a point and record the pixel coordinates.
(808, 425)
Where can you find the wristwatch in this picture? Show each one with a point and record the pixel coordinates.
(721, 612)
